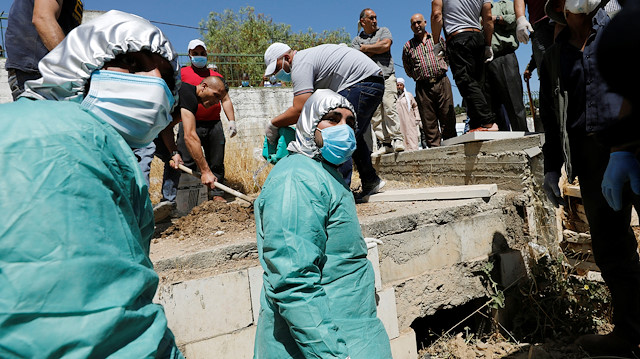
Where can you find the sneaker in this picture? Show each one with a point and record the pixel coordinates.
(163, 210)
(398, 145)
(383, 150)
(372, 188)
(488, 127)
(607, 345)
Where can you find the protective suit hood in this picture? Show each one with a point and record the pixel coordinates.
(319, 104)
(67, 68)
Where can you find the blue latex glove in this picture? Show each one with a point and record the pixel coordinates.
(623, 167)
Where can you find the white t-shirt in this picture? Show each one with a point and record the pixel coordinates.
(334, 67)
(462, 14)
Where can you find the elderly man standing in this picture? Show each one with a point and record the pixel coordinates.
(76, 275)
(503, 75)
(409, 116)
(468, 47)
(433, 88)
(376, 43)
(342, 69)
(208, 124)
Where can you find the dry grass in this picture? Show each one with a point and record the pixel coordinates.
(244, 172)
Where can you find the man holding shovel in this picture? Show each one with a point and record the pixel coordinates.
(208, 93)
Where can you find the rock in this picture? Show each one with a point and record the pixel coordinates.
(537, 352)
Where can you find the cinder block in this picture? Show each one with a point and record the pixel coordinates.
(206, 308)
(255, 287)
(236, 345)
(405, 346)
(387, 312)
(374, 257)
(512, 267)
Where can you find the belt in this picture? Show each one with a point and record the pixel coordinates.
(374, 78)
(433, 80)
(461, 31)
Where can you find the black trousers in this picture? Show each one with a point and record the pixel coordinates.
(211, 134)
(435, 104)
(614, 244)
(504, 87)
(466, 58)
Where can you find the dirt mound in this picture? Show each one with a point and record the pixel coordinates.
(211, 217)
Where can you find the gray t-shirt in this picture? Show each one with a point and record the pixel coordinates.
(334, 67)
(384, 59)
(462, 14)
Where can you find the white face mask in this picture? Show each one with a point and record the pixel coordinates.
(581, 6)
(137, 106)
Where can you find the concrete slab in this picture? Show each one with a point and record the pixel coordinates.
(405, 346)
(255, 288)
(482, 136)
(236, 345)
(206, 308)
(374, 257)
(387, 312)
(409, 254)
(512, 268)
(435, 193)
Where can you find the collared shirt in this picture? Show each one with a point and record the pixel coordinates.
(504, 39)
(419, 60)
(384, 59)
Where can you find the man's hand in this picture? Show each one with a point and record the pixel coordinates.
(551, 188)
(623, 167)
(437, 49)
(526, 75)
(232, 129)
(272, 133)
(176, 160)
(522, 26)
(208, 179)
(488, 53)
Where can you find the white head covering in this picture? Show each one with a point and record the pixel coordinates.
(318, 105)
(400, 80)
(66, 69)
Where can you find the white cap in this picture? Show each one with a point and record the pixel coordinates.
(271, 56)
(400, 80)
(195, 43)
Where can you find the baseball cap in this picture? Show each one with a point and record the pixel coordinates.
(274, 51)
(195, 43)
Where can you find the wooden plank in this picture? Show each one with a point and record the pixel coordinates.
(572, 190)
(482, 136)
(436, 193)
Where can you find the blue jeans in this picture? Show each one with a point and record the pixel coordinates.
(170, 176)
(145, 156)
(365, 98)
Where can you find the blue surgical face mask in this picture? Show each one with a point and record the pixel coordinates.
(245, 83)
(137, 106)
(199, 61)
(282, 75)
(338, 143)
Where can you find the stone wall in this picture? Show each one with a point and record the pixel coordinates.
(5, 91)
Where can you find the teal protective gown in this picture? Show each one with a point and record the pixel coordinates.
(75, 276)
(318, 298)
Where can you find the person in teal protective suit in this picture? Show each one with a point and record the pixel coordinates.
(318, 298)
(75, 276)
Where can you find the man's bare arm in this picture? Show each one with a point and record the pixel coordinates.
(194, 146)
(227, 106)
(518, 6)
(291, 115)
(380, 47)
(45, 19)
(436, 20)
(487, 23)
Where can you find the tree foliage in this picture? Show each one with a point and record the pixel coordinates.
(248, 33)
